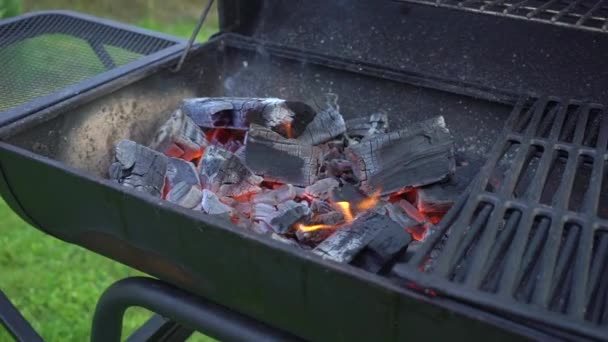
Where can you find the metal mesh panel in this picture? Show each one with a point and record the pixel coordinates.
(43, 53)
(584, 14)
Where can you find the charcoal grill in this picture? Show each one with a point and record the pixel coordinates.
(474, 62)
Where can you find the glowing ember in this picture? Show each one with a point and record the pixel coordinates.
(305, 228)
(369, 202)
(344, 207)
(418, 233)
(289, 130)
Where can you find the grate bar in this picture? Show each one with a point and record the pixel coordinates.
(576, 13)
(592, 200)
(490, 4)
(458, 246)
(541, 8)
(514, 6)
(566, 10)
(578, 297)
(588, 14)
(488, 235)
(502, 243)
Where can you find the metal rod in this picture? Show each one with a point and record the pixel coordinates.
(15, 323)
(588, 14)
(564, 11)
(181, 306)
(197, 29)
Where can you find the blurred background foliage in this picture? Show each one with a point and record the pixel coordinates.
(56, 285)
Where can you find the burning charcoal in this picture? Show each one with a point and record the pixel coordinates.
(281, 160)
(212, 205)
(346, 193)
(243, 208)
(187, 195)
(386, 247)
(290, 213)
(224, 174)
(438, 198)
(239, 113)
(320, 207)
(321, 189)
(313, 236)
(411, 211)
(288, 241)
(326, 125)
(397, 214)
(393, 162)
(261, 227)
(139, 167)
(179, 137)
(275, 197)
(350, 239)
(179, 170)
(338, 167)
(364, 127)
(263, 212)
(331, 218)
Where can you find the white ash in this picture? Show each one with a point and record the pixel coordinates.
(212, 205)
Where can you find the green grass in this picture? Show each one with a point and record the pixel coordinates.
(56, 285)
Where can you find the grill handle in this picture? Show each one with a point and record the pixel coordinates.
(197, 29)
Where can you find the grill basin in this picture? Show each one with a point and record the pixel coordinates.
(70, 143)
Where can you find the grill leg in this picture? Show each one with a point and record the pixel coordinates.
(179, 306)
(15, 323)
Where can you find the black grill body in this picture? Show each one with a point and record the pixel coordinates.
(263, 52)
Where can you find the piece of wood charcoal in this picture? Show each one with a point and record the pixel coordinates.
(179, 137)
(438, 198)
(348, 193)
(320, 207)
(263, 212)
(327, 125)
(139, 167)
(186, 195)
(212, 205)
(281, 160)
(314, 237)
(363, 127)
(283, 239)
(351, 238)
(331, 218)
(397, 214)
(239, 113)
(179, 170)
(289, 213)
(223, 173)
(275, 197)
(322, 188)
(390, 243)
(394, 162)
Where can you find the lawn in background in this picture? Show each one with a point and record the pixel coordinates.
(55, 284)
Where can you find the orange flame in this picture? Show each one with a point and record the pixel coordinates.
(369, 202)
(344, 207)
(289, 130)
(304, 228)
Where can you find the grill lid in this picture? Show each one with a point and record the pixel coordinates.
(46, 57)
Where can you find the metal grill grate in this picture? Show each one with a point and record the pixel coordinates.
(45, 52)
(584, 14)
(531, 236)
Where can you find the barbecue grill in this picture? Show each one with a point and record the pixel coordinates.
(520, 85)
